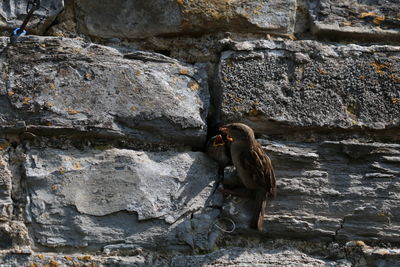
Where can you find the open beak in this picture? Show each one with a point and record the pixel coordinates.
(219, 141)
(224, 129)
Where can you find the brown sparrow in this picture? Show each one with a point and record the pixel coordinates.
(253, 167)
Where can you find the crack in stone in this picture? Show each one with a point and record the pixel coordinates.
(337, 230)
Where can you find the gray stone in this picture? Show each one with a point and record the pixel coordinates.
(6, 203)
(274, 86)
(324, 193)
(252, 257)
(98, 90)
(13, 13)
(140, 19)
(367, 19)
(91, 198)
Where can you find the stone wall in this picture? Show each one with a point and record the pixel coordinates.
(105, 113)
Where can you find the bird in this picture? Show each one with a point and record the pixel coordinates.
(218, 149)
(253, 166)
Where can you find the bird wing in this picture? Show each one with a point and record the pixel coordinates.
(261, 168)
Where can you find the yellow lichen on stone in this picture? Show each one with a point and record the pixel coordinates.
(85, 258)
(4, 146)
(180, 2)
(68, 258)
(76, 165)
(311, 85)
(26, 100)
(62, 170)
(360, 243)
(184, 71)
(395, 100)
(323, 72)
(54, 263)
(253, 112)
(378, 67)
(72, 111)
(378, 20)
(194, 85)
(40, 256)
(367, 14)
(10, 93)
(395, 77)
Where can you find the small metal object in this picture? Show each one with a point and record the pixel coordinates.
(31, 7)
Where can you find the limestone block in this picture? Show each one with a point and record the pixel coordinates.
(139, 19)
(252, 257)
(368, 19)
(60, 83)
(95, 198)
(275, 86)
(331, 190)
(6, 203)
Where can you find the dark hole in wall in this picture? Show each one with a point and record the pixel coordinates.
(164, 52)
(5, 240)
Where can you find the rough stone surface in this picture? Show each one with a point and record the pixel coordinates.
(310, 84)
(6, 203)
(13, 14)
(98, 133)
(253, 257)
(332, 190)
(139, 19)
(368, 19)
(91, 198)
(139, 95)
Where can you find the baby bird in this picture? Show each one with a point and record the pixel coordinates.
(253, 166)
(218, 149)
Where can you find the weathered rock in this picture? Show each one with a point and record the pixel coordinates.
(14, 236)
(127, 19)
(253, 257)
(326, 191)
(368, 19)
(52, 259)
(310, 85)
(98, 90)
(6, 205)
(94, 198)
(14, 12)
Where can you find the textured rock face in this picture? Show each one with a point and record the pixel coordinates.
(332, 190)
(13, 14)
(6, 207)
(253, 257)
(102, 136)
(138, 19)
(143, 96)
(365, 19)
(308, 84)
(93, 198)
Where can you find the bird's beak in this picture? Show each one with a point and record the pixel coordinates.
(224, 129)
(219, 141)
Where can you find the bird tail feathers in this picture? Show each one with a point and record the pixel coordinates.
(257, 221)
